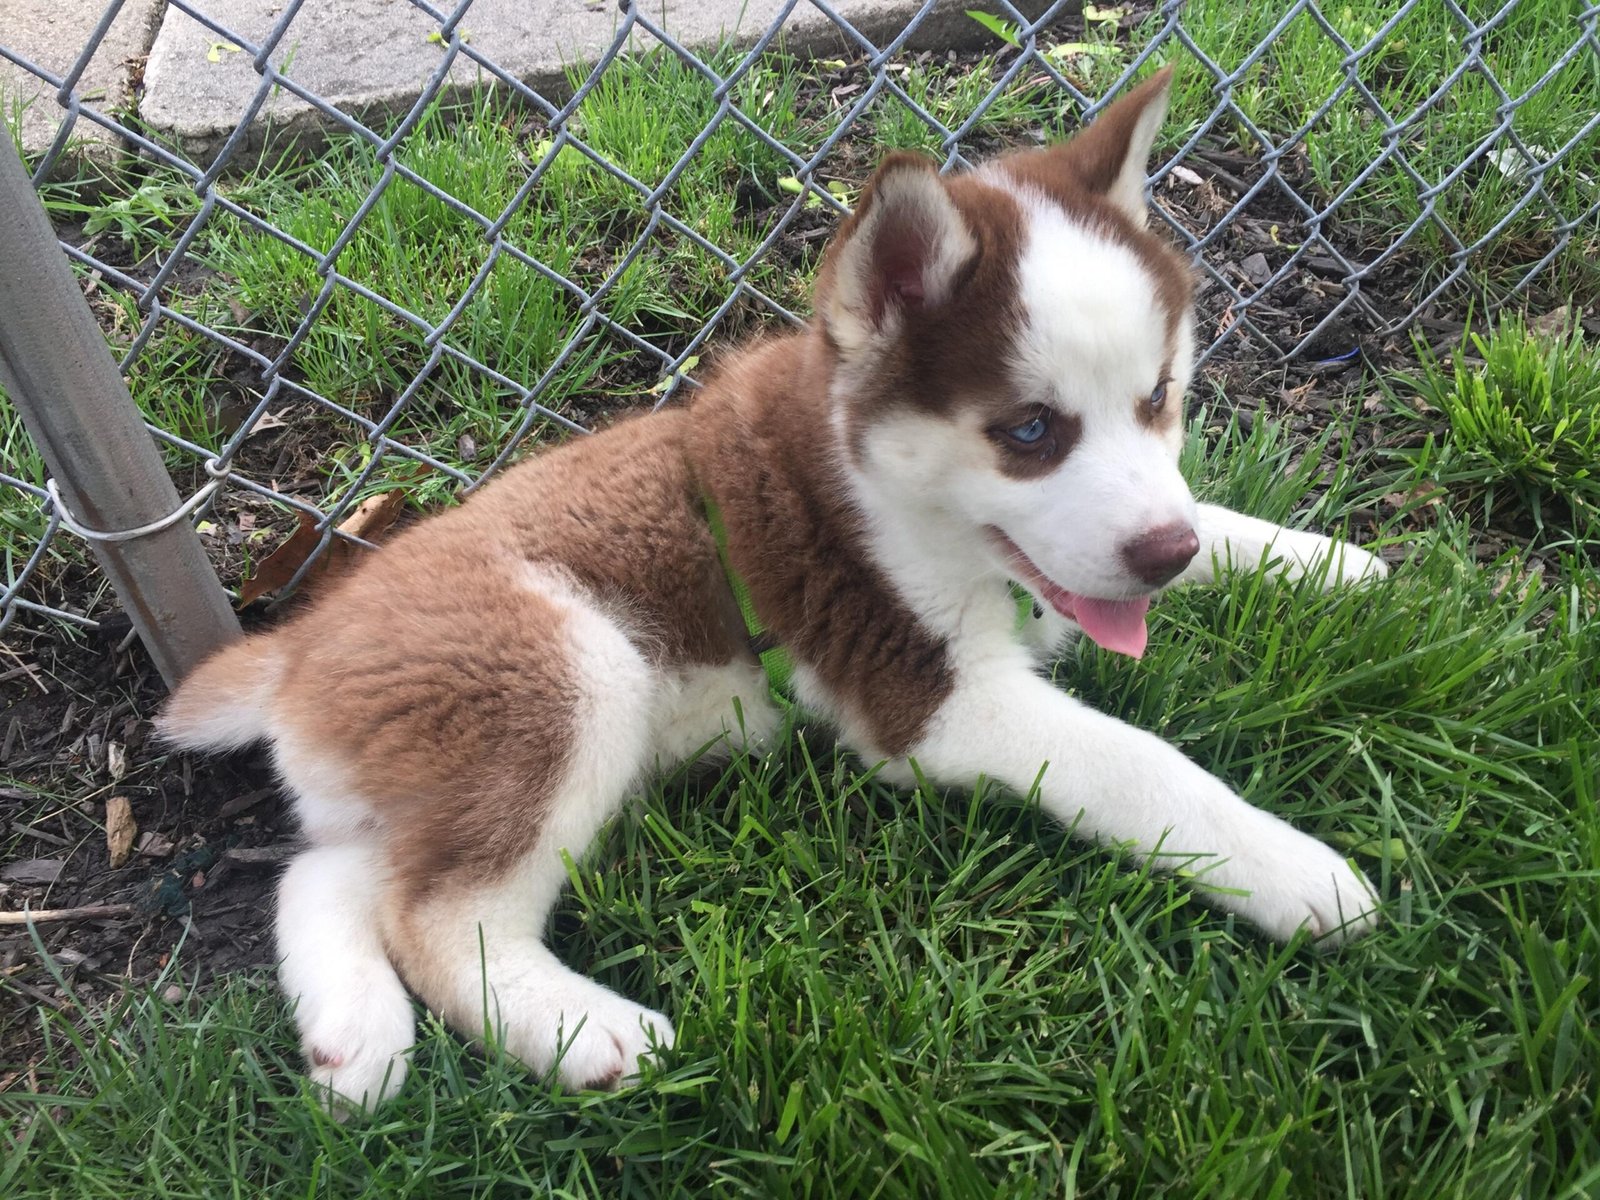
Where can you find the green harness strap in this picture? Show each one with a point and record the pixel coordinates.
(776, 661)
(1027, 607)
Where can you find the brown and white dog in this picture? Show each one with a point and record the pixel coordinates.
(991, 391)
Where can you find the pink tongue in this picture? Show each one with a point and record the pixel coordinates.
(1115, 624)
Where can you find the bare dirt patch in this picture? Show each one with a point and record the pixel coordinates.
(208, 837)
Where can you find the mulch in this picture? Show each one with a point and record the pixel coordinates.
(210, 833)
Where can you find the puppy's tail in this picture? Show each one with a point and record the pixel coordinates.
(225, 702)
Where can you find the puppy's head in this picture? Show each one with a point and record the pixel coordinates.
(1012, 347)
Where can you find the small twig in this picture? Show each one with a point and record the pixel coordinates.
(37, 996)
(88, 912)
(24, 668)
(1221, 174)
(49, 838)
(256, 855)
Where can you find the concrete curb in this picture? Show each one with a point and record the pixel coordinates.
(368, 59)
(372, 58)
(51, 34)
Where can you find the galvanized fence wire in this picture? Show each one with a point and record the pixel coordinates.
(1309, 218)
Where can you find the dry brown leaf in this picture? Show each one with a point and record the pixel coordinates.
(1524, 579)
(120, 830)
(1423, 495)
(267, 422)
(116, 760)
(279, 567)
(372, 518)
(369, 520)
(155, 845)
(1555, 323)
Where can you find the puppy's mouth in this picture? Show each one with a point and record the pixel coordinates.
(1116, 625)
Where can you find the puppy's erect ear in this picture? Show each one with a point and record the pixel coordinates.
(1110, 156)
(904, 248)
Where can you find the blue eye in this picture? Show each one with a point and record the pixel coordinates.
(1030, 432)
(1159, 396)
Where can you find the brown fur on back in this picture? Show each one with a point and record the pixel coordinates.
(443, 683)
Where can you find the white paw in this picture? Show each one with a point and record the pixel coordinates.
(1282, 881)
(1354, 565)
(356, 1049)
(609, 1048)
(1332, 563)
(594, 1039)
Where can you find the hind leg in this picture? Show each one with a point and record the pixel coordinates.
(474, 952)
(469, 940)
(353, 1015)
(477, 960)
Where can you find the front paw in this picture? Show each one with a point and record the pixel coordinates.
(1353, 565)
(1285, 881)
(1328, 562)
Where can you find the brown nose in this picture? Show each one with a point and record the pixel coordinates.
(1159, 555)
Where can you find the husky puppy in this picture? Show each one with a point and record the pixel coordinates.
(987, 402)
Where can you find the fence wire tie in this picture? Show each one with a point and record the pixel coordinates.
(70, 520)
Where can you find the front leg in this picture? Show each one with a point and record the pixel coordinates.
(1107, 780)
(1231, 540)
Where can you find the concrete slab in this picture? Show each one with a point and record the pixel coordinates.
(370, 58)
(51, 34)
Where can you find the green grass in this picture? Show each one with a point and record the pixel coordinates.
(1303, 69)
(1522, 416)
(881, 993)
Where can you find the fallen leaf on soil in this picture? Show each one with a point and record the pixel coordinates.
(279, 566)
(1075, 49)
(1553, 323)
(33, 870)
(1192, 178)
(120, 830)
(232, 808)
(116, 760)
(155, 845)
(369, 521)
(1424, 495)
(1524, 580)
(265, 423)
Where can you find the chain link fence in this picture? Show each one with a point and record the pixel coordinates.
(1341, 172)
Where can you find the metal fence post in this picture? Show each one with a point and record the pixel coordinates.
(106, 469)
